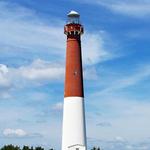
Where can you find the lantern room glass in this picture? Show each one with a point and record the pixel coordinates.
(73, 20)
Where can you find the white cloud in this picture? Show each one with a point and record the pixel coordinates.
(19, 133)
(134, 8)
(4, 82)
(38, 71)
(42, 70)
(14, 133)
(94, 50)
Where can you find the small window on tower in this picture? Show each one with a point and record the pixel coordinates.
(75, 73)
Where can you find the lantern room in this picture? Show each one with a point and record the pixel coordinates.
(73, 17)
(73, 26)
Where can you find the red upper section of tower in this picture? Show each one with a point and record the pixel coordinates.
(74, 72)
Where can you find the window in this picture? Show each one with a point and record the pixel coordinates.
(75, 73)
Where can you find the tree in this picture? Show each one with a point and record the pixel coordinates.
(25, 148)
(10, 147)
(31, 148)
(96, 148)
(39, 148)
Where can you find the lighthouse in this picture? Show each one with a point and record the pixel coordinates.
(74, 130)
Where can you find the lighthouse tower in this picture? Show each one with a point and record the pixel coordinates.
(74, 131)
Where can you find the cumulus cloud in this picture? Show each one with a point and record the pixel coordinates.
(19, 133)
(4, 82)
(38, 70)
(14, 133)
(38, 73)
(42, 70)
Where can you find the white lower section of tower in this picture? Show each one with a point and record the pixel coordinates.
(74, 131)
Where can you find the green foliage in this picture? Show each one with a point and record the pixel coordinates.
(25, 148)
(12, 147)
(39, 148)
(96, 148)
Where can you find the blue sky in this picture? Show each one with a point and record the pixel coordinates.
(115, 49)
